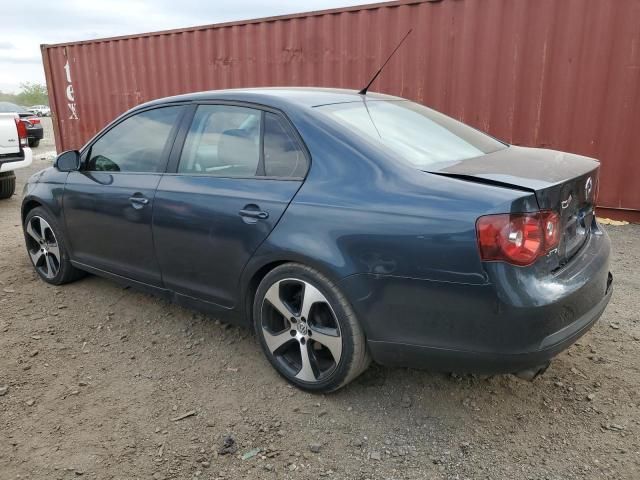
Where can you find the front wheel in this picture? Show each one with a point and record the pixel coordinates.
(47, 248)
(308, 330)
(33, 143)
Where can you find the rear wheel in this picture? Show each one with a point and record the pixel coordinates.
(7, 184)
(307, 329)
(47, 248)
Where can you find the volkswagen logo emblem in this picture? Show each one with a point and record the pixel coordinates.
(302, 328)
(588, 186)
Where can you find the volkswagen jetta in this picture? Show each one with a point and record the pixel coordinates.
(342, 226)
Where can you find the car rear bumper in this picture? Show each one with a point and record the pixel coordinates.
(519, 320)
(37, 132)
(440, 359)
(8, 164)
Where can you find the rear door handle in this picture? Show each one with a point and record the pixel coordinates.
(138, 202)
(254, 214)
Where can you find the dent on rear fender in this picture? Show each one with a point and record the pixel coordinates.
(346, 242)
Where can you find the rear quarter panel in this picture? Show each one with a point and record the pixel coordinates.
(362, 212)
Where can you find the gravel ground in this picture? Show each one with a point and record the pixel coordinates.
(95, 380)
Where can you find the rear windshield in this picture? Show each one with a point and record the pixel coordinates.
(417, 134)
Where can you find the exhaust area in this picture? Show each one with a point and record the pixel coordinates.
(531, 373)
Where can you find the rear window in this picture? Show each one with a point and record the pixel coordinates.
(417, 134)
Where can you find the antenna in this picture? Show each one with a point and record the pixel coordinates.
(365, 89)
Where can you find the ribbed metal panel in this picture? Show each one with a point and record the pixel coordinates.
(559, 74)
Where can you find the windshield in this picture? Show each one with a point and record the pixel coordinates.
(419, 135)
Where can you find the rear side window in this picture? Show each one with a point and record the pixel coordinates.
(283, 156)
(223, 141)
(136, 144)
(235, 141)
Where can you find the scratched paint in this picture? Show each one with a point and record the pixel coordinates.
(545, 73)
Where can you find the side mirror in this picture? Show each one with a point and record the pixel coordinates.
(68, 161)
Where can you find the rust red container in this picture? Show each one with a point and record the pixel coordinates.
(545, 73)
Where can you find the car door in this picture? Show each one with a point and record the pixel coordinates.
(108, 204)
(237, 171)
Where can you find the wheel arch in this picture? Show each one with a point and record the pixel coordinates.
(29, 204)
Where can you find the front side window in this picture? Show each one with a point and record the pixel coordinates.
(223, 141)
(136, 144)
(415, 133)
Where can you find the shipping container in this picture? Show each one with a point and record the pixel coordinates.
(546, 73)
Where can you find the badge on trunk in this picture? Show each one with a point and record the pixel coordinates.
(588, 186)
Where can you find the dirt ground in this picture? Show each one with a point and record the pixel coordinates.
(97, 378)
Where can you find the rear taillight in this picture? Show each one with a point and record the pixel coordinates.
(518, 238)
(33, 120)
(22, 132)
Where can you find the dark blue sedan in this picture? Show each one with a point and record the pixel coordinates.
(343, 227)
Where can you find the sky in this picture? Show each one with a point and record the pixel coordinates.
(24, 26)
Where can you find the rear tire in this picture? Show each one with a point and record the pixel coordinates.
(7, 185)
(307, 329)
(47, 248)
(33, 143)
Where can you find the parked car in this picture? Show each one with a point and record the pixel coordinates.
(342, 226)
(40, 110)
(14, 153)
(32, 123)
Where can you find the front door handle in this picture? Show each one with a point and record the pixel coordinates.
(259, 214)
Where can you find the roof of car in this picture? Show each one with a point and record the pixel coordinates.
(302, 96)
(8, 107)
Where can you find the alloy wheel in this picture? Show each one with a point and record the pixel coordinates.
(43, 247)
(300, 330)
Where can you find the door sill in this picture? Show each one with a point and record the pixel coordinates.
(223, 313)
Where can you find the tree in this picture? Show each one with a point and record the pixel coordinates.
(8, 97)
(32, 93)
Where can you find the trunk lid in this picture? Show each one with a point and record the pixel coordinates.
(562, 182)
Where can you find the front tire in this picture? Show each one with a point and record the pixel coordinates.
(33, 143)
(47, 248)
(7, 185)
(308, 330)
